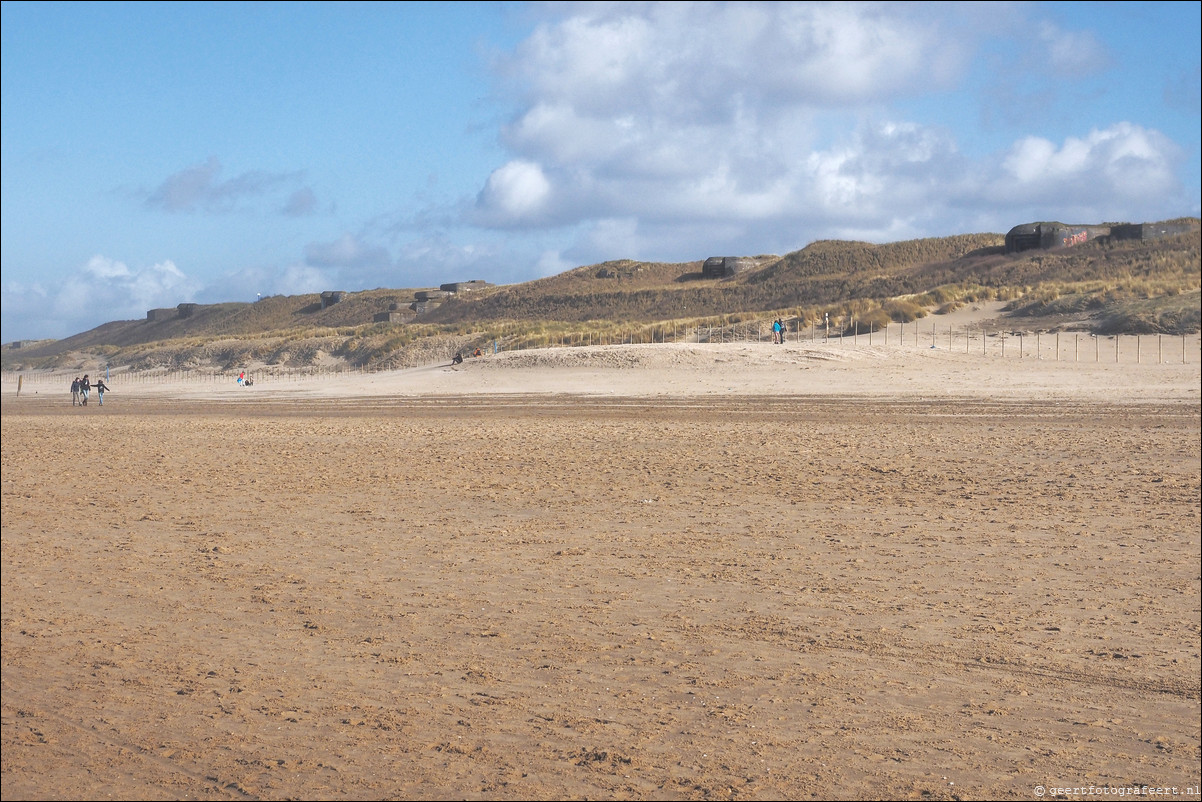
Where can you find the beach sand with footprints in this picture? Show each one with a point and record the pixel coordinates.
(729, 571)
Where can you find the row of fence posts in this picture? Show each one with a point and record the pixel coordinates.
(719, 336)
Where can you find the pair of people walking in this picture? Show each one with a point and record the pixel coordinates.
(778, 331)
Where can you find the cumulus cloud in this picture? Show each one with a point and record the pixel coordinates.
(715, 119)
(692, 60)
(516, 193)
(122, 293)
(99, 291)
(1120, 167)
(199, 189)
(673, 130)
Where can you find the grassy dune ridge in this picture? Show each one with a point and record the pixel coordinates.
(1121, 287)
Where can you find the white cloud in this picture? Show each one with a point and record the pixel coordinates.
(518, 192)
(1119, 168)
(102, 290)
(745, 127)
(692, 60)
(697, 115)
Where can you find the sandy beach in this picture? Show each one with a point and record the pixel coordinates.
(738, 571)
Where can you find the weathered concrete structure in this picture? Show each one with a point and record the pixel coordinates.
(464, 286)
(1048, 235)
(155, 315)
(725, 266)
(1147, 231)
(186, 310)
(331, 297)
(1029, 236)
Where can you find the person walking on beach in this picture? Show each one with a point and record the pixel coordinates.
(778, 331)
(101, 387)
(75, 391)
(84, 389)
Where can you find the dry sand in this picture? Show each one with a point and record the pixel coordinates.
(738, 571)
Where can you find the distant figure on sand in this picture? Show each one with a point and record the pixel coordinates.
(101, 387)
(778, 331)
(458, 359)
(75, 391)
(241, 378)
(84, 389)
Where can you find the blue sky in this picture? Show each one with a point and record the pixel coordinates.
(159, 153)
